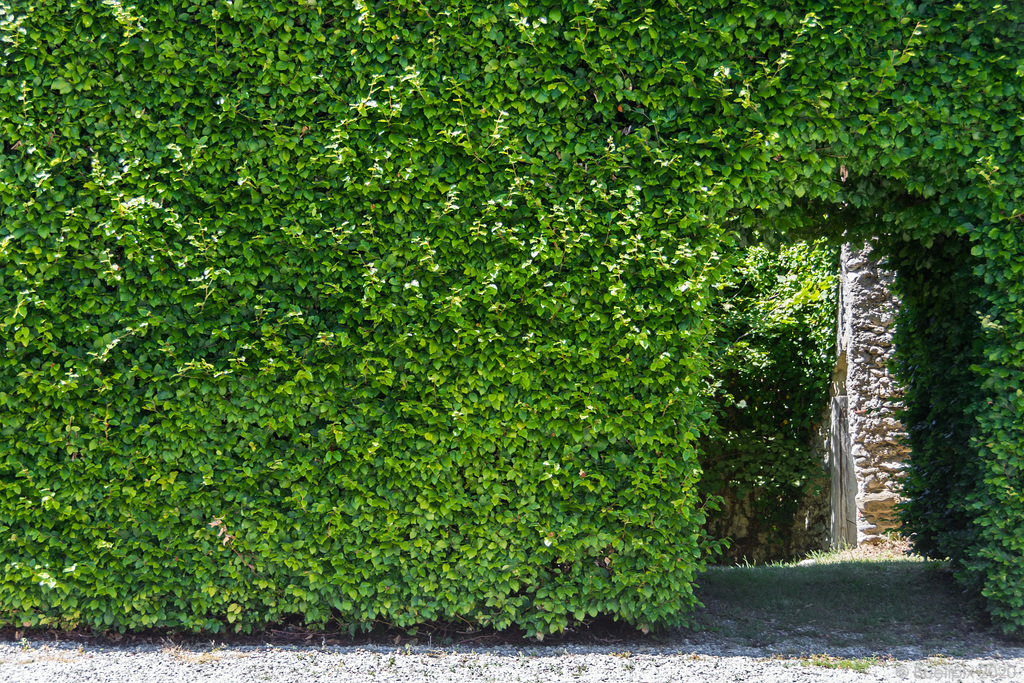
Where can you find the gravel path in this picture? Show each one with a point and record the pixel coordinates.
(681, 661)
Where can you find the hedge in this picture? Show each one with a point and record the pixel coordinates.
(397, 311)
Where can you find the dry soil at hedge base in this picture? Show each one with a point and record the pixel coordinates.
(36, 662)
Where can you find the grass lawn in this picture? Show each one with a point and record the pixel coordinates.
(873, 599)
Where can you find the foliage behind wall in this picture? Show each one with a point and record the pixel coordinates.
(772, 366)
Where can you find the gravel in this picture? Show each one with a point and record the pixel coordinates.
(30, 661)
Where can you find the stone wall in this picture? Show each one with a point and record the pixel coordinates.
(865, 434)
(860, 442)
(808, 531)
(751, 542)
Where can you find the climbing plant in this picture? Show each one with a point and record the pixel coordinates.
(398, 311)
(775, 337)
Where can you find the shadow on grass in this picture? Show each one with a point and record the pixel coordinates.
(903, 607)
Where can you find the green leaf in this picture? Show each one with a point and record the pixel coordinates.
(61, 86)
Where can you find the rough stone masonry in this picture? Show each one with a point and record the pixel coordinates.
(867, 447)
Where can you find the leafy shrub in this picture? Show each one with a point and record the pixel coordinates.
(937, 342)
(964, 475)
(341, 309)
(306, 315)
(776, 348)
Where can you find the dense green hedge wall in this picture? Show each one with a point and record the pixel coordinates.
(996, 565)
(394, 311)
(775, 350)
(378, 315)
(938, 342)
(955, 348)
(964, 481)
